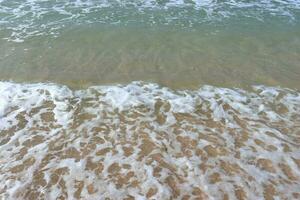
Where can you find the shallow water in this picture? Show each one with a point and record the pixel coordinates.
(88, 55)
(141, 140)
(149, 99)
(176, 44)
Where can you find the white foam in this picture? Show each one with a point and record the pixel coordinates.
(123, 116)
(29, 18)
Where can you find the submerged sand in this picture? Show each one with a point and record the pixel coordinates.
(142, 141)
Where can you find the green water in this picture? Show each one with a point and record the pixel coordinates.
(181, 45)
(218, 130)
(232, 56)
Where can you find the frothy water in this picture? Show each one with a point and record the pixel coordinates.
(143, 141)
(220, 121)
(23, 19)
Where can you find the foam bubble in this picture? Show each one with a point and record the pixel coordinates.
(144, 141)
(29, 18)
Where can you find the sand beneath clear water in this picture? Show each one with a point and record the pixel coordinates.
(143, 141)
(215, 113)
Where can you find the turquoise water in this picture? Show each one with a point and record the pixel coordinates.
(149, 99)
(180, 44)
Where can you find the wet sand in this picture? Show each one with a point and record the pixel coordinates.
(141, 141)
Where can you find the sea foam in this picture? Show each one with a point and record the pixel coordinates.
(143, 141)
(28, 18)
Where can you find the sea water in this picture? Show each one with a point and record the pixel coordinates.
(150, 99)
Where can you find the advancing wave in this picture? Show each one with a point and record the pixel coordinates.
(141, 141)
(23, 19)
